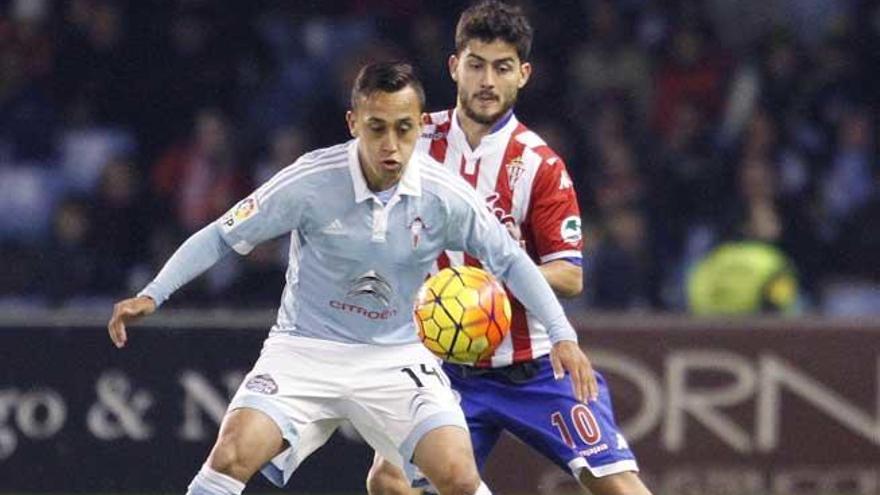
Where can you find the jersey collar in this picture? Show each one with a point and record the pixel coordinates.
(501, 132)
(410, 184)
(502, 122)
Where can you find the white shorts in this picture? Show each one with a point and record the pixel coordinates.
(392, 395)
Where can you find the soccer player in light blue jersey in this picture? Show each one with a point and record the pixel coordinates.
(528, 188)
(343, 346)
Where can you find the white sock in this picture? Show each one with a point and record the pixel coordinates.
(210, 482)
(483, 490)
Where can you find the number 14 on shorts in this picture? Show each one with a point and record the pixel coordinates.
(426, 371)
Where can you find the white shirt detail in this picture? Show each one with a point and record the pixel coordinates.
(530, 139)
(470, 166)
(380, 223)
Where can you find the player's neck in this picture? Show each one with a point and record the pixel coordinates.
(378, 182)
(474, 131)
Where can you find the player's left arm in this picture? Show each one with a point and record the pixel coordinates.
(554, 219)
(471, 228)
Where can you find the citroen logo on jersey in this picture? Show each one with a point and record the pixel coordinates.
(373, 285)
(515, 170)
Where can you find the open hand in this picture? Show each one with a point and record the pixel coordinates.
(127, 311)
(567, 356)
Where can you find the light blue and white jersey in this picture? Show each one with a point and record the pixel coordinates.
(356, 262)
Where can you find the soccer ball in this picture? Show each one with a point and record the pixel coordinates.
(462, 314)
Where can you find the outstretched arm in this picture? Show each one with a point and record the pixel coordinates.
(200, 252)
(273, 209)
(474, 230)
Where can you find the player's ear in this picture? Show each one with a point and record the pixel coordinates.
(525, 72)
(453, 66)
(350, 119)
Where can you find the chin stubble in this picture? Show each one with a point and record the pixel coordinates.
(483, 119)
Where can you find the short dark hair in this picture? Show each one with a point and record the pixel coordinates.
(388, 77)
(491, 20)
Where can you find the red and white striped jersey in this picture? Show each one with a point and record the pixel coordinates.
(525, 184)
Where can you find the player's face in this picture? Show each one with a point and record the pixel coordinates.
(489, 76)
(388, 126)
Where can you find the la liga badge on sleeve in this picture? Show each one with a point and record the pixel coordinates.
(239, 213)
(570, 229)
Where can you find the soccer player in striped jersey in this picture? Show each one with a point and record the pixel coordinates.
(526, 185)
(344, 332)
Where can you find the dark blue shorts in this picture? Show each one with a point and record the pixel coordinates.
(530, 403)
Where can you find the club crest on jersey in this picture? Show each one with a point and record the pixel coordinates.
(570, 229)
(415, 228)
(244, 210)
(262, 384)
(515, 170)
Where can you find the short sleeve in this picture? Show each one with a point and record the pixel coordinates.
(275, 208)
(554, 215)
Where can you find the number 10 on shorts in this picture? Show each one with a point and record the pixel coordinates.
(584, 424)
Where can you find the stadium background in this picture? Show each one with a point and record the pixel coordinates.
(686, 125)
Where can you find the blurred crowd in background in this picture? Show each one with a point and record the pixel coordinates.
(686, 125)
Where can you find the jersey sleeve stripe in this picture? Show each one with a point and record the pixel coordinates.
(300, 174)
(558, 255)
(306, 161)
(300, 165)
(530, 139)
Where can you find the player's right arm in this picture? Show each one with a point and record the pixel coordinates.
(554, 220)
(273, 209)
(200, 252)
(125, 312)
